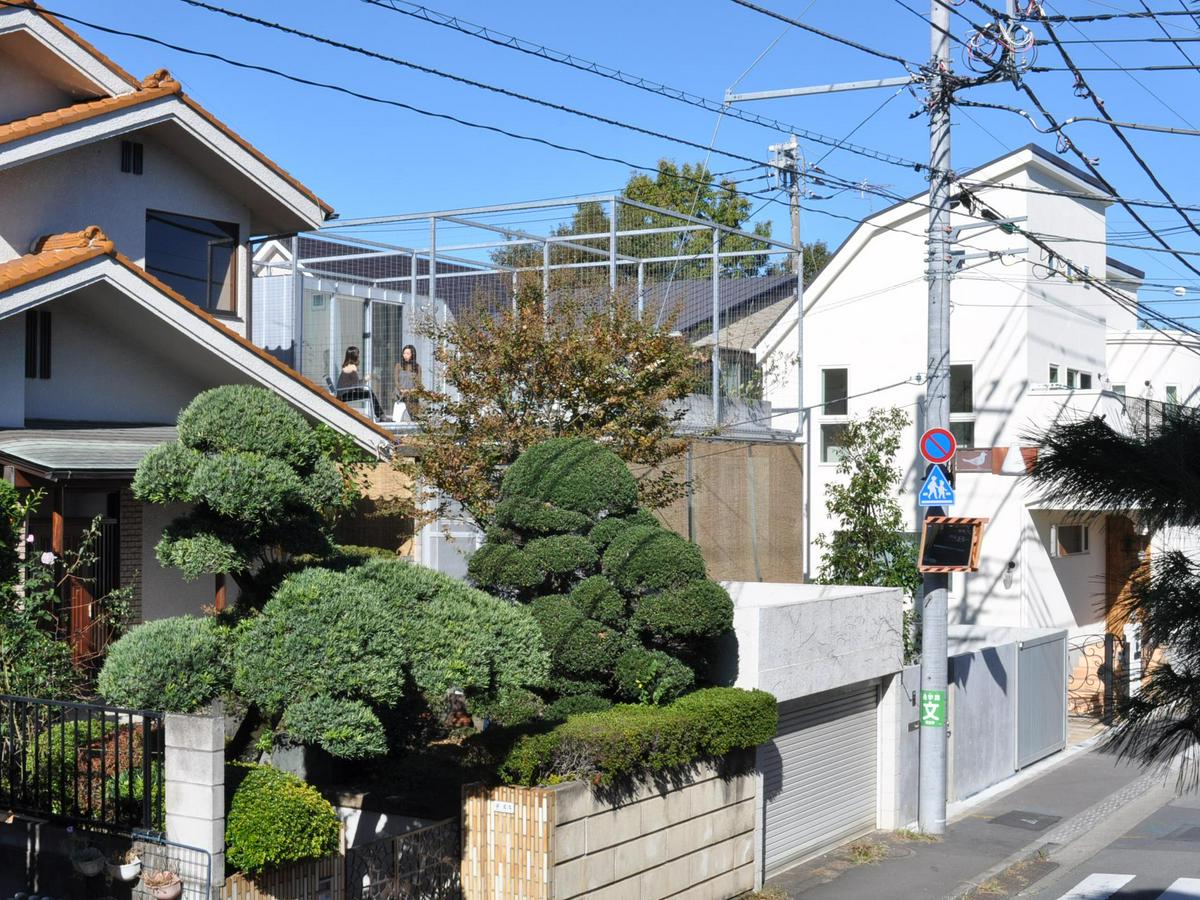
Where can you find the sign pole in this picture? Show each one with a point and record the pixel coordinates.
(931, 805)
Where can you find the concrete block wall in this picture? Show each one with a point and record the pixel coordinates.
(195, 785)
(694, 838)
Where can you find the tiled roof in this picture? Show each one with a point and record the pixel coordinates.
(160, 84)
(101, 448)
(54, 253)
(58, 252)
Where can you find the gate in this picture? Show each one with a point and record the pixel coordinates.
(82, 764)
(1099, 672)
(1041, 713)
(420, 865)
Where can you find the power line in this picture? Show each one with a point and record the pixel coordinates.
(796, 23)
(531, 48)
(1124, 14)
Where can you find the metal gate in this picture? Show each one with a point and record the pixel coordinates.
(420, 865)
(819, 775)
(1041, 696)
(1098, 674)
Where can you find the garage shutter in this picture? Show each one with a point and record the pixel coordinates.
(819, 775)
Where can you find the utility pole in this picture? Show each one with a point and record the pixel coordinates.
(788, 161)
(931, 804)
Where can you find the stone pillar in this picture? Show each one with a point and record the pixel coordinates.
(195, 785)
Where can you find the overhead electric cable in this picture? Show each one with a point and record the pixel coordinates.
(838, 39)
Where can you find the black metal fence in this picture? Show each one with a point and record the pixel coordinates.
(420, 865)
(1099, 675)
(81, 763)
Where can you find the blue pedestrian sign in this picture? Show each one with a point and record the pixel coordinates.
(937, 490)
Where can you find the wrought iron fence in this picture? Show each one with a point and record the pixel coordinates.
(420, 865)
(1099, 673)
(81, 763)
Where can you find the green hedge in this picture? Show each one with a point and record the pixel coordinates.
(574, 474)
(630, 740)
(645, 558)
(651, 676)
(276, 818)
(173, 665)
(701, 609)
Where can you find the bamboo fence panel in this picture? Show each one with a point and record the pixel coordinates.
(507, 843)
(314, 879)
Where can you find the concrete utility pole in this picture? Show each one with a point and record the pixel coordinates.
(789, 161)
(931, 805)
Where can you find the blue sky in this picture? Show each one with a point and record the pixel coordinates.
(368, 159)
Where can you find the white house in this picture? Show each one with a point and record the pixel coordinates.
(1031, 343)
(125, 215)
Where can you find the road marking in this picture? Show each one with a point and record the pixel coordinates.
(1098, 886)
(1182, 889)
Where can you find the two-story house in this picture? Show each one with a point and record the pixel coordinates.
(125, 214)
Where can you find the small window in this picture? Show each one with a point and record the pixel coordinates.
(962, 388)
(131, 157)
(1085, 381)
(964, 433)
(832, 440)
(1053, 379)
(1069, 540)
(835, 385)
(37, 343)
(1173, 394)
(1119, 390)
(196, 257)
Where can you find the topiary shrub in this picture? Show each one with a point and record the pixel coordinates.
(348, 729)
(510, 708)
(579, 647)
(651, 676)
(538, 516)
(561, 554)
(323, 634)
(504, 569)
(276, 818)
(645, 557)
(632, 740)
(171, 665)
(565, 707)
(575, 474)
(597, 599)
(700, 609)
(245, 417)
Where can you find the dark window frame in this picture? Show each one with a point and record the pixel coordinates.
(220, 235)
(37, 344)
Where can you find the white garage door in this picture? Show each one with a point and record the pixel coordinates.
(819, 775)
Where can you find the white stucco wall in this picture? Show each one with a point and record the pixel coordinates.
(26, 93)
(1142, 355)
(12, 372)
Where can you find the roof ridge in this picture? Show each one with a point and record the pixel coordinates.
(159, 84)
(91, 237)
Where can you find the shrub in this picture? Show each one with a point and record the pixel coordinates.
(646, 557)
(323, 634)
(575, 474)
(538, 517)
(561, 554)
(249, 488)
(276, 818)
(565, 707)
(347, 729)
(503, 568)
(10, 532)
(604, 531)
(597, 599)
(510, 708)
(701, 609)
(173, 665)
(165, 474)
(651, 676)
(630, 740)
(244, 417)
(455, 635)
(578, 646)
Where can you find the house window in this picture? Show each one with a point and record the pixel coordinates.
(131, 157)
(1053, 379)
(37, 343)
(1085, 381)
(1069, 540)
(1119, 390)
(833, 438)
(835, 384)
(962, 404)
(196, 257)
(1173, 394)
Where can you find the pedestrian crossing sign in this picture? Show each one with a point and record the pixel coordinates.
(937, 490)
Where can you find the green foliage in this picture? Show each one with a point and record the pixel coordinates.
(511, 708)
(538, 516)
(454, 635)
(699, 609)
(200, 545)
(165, 474)
(575, 474)
(596, 598)
(579, 647)
(604, 531)
(237, 418)
(647, 557)
(573, 705)
(253, 490)
(276, 818)
(11, 515)
(503, 569)
(561, 554)
(173, 665)
(868, 545)
(651, 676)
(631, 740)
(321, 635)
(347, 729)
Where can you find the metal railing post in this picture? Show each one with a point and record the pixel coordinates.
(612, 247)
(716, 326)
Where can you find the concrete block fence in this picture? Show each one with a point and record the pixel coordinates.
(195, 785)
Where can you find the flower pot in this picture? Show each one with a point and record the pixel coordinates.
(168, 891)
(88, 861)
(125, 871)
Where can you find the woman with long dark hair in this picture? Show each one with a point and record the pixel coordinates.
(407, 379)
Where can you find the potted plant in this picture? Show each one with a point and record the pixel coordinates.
(164, 884)
(87, 860)
(125, 865)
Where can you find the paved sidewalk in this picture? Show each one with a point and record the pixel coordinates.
(1055, 807)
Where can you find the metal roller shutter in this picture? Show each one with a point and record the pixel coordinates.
(819, 775)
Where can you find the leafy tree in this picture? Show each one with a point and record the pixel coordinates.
(868, 545)
(517, 378)
(1156, 477)
(622, 603)
(261, 481)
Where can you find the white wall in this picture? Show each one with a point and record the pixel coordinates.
(113, 361)
(1142, 355)
(26, 93)
(165, 592)
(12, 372)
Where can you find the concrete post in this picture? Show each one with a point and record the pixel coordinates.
(195, 785)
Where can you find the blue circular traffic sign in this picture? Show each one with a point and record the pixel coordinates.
(938, 445)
